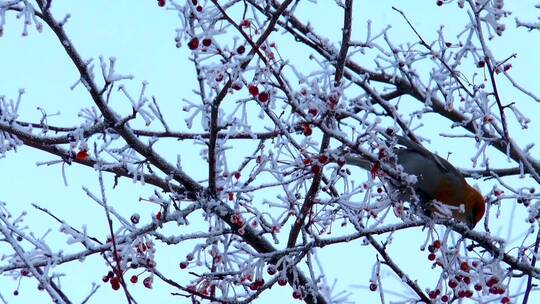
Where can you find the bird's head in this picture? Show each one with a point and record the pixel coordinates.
(475, 206)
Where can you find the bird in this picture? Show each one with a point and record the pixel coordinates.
(437, 179)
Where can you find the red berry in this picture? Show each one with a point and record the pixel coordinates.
(432, 295)
(313, 112)
(193, 43)
(271, 270)
(245, 23)
(161, 3)
(307, 130)
(134, 279)
(375, 169)
(452, 284)
(505, 300)
(373, 286)
(207, 42)
(237, 175)
(115, 283)
(444, 298)
(264, 96)
(237, 85)
(477, 287)
(316, 169)
(297, 294)
(467, 280)
(241, 49)
(464, 266)
(431, 257)
(158, 216)
(332, 100)
(440, 2)
(199, 8)
(105, 279)
(183, 265)
(253, 90)
(282, 281)
(82, 155)
(231, 196)
(150, 263)
(135, 218)
(237, 220)
(147, 282)
(492, 281)
(481, 64)
(437, 244)
(323, 159)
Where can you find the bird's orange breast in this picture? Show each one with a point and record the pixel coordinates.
(449, 193)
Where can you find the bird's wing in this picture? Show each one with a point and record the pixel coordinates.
(441, 162)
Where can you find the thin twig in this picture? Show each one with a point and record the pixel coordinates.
(530, 285)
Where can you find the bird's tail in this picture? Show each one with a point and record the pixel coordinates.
(359, 161)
